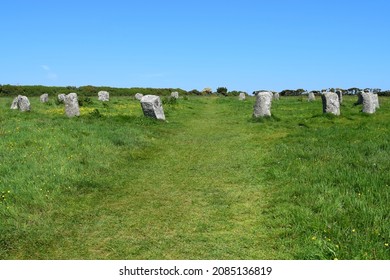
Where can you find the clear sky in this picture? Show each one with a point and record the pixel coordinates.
(243, 45)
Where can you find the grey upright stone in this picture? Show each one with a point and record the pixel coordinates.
(22, 103)
(71, 105)
(330, 103)
(103, 96)
(369, 105)
(175, 94)
(311, 96)
(276, 96)
(241, 96)
(263, 104)
(61, 97)
(138, 96)
(44, 98)
(340, 95)
(152, 107)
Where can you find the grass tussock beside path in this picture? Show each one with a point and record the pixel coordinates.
(211, 183)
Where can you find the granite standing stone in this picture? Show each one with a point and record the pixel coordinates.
(369, 105)
(44, 98)
(340, 95)
(241, 96)
(138, 96)
(263, 104)
(330, 103)
(152, 107)
(311, 96)
(71, 105)
(22, 103)
(103, 96)
(276, 96)
(175, 94)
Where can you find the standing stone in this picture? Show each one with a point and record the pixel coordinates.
(369, 105)
(340, 95)
(44, 98)
(311, 96)
(22, 103)
(152, 107)
(61, 97)
(175, 94)
(330, 103)
(71, 105)
(103, 96)
(241, 96)
(262, 107)
(276, 96)
(138, 96)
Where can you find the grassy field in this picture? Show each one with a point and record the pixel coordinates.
(211, 183)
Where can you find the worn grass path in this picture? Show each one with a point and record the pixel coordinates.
(196, 193)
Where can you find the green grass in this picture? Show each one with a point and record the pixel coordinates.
(210, 183)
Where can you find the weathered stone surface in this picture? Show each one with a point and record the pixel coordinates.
(152, 107)
(263, 104)
(330, 103)
(14, 105)
(138, 96)
(340, 95)
(242, 96)
(369, 105)
(175, 94)
(103, 96)
(276, 96)
(22, 103)
(61, 97)
(375, 100)
(71, 105)
(311, 96)
(44, 98)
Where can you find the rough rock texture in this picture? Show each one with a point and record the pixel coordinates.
(376, 100)
(340, 95)
(71, 105)
(44, 98)
(175, 94)
(311, 96)
(22, 103)
(61, 97)
(369, 103)
(330, 103)
(138, 96)
(263, 104)
(241, 96)
(276, 96)
(103, 96)
(152, 107)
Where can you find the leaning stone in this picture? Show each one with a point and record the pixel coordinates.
(369, 105)
(138, 96)
(311, 96)
(61, 97)
(330, 103)
(152, 107)
(103, 96)
(242, 96)
(175, 94)
(71, 105)
(44, 98)
(276, 96)
(262, 107)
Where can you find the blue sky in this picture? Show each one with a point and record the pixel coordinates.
(243, 45)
